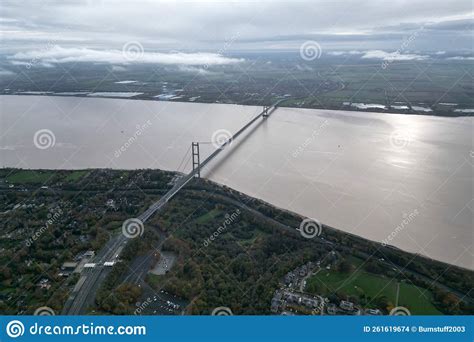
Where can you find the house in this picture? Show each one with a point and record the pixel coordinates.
(89, 254)
(373, 312)
(345, 305)
(67, 268)
(110, 203)
(289, 278)
(276, 303)
(85, 255)
(291, 297)
(44, 284)
(331, 309)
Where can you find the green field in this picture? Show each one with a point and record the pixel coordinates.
(154, 280)
(367, 287)
(44, 176)
(30, 177)
(209, 216)
(74, 176)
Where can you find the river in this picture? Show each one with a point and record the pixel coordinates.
(405, 179)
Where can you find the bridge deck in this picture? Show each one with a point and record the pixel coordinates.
(185, 180)
(84, 293)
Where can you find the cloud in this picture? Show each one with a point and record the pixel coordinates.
(118, 68)
(192, 69)
(461, 58)
(343, 53)
(57, 54)
(256, 25)
(4, 72)
(393, 56)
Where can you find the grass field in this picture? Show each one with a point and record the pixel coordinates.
(360, 283)
(154, 280)
(30, 177)
(44, 176)
(76, 175)
(208, 216)
(247, 243)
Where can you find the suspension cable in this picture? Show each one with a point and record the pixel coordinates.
(186, 165)
(182, 160)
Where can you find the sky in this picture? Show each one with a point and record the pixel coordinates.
(184, 31)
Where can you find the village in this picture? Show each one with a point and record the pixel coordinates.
(291, 299)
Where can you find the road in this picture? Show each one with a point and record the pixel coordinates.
(84, 294)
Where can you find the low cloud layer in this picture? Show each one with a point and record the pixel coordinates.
(461, 58)
(393, 56)
(131, 53)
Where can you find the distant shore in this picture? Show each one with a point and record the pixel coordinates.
(345, 108)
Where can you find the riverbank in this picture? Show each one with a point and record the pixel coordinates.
(259, 231)
(376, 169)
(346, 106)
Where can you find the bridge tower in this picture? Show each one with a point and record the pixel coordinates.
(196, 158)
(265, 111)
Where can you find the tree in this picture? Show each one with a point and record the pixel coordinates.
(345, 267)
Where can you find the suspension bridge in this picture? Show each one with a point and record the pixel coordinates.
(198, 165)
(84, 292)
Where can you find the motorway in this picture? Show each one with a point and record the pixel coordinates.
(83, 294)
